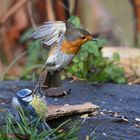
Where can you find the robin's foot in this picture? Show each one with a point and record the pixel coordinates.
(57, 92)
(74, 78)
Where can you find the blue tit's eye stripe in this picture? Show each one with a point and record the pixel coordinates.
(24, 93)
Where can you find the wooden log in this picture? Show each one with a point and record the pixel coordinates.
(61, 9)
(58, 111)
(136, 8)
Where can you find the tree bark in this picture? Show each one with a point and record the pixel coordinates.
(58, 111)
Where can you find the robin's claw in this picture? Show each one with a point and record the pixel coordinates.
(74, 78)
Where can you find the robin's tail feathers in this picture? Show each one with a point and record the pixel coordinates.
(52, 79)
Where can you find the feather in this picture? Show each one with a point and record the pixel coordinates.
(50, 32)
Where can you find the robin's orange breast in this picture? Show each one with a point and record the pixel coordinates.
(71, 47)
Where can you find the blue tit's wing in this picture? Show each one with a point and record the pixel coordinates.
(31, 110)
(50, 32)
(23, 93)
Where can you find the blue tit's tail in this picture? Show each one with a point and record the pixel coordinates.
(45, 126)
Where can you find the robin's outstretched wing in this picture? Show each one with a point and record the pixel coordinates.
(50, 32)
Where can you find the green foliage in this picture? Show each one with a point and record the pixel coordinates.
(33, 49)
(28, 129)
(89, 64)
(36, 55)
(75, 20)
(33, 61)
(26, 35)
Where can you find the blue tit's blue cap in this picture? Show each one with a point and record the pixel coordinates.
(24, 92)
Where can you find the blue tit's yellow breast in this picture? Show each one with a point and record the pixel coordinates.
(39, 104)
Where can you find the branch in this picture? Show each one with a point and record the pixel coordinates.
(31, 14)
(58, 111)
(11, 11)
(13, 62)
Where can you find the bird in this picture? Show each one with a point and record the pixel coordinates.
(34, 106)
(64, 41)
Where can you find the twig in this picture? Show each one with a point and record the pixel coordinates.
(75, 7)
(136, 81)
(31, 14)
(64, 6)
(13, 62)
(94, 130)
(11, 11)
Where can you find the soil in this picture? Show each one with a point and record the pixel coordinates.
(117, 119)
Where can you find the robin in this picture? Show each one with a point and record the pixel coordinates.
(65, 41)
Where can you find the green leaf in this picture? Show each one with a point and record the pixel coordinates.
(26, 35)
(75, 20)
(34, 51)
(116, 57)
(80, 65)
(120, 80)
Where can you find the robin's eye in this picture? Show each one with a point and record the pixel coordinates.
(83, 37)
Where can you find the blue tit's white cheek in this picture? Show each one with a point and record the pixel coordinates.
(28, 99)
(15, 103)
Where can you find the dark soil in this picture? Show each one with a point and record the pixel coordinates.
(118, 118)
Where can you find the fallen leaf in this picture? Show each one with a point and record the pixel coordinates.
(84, 116)
(137, 119)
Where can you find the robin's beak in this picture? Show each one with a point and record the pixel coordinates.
(90, 37)
(95, 40)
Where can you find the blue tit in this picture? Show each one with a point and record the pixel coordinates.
(33, 103)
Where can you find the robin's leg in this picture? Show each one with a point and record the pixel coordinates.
(74, 78)
(52, 84)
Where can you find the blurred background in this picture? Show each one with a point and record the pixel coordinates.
(116, 21)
